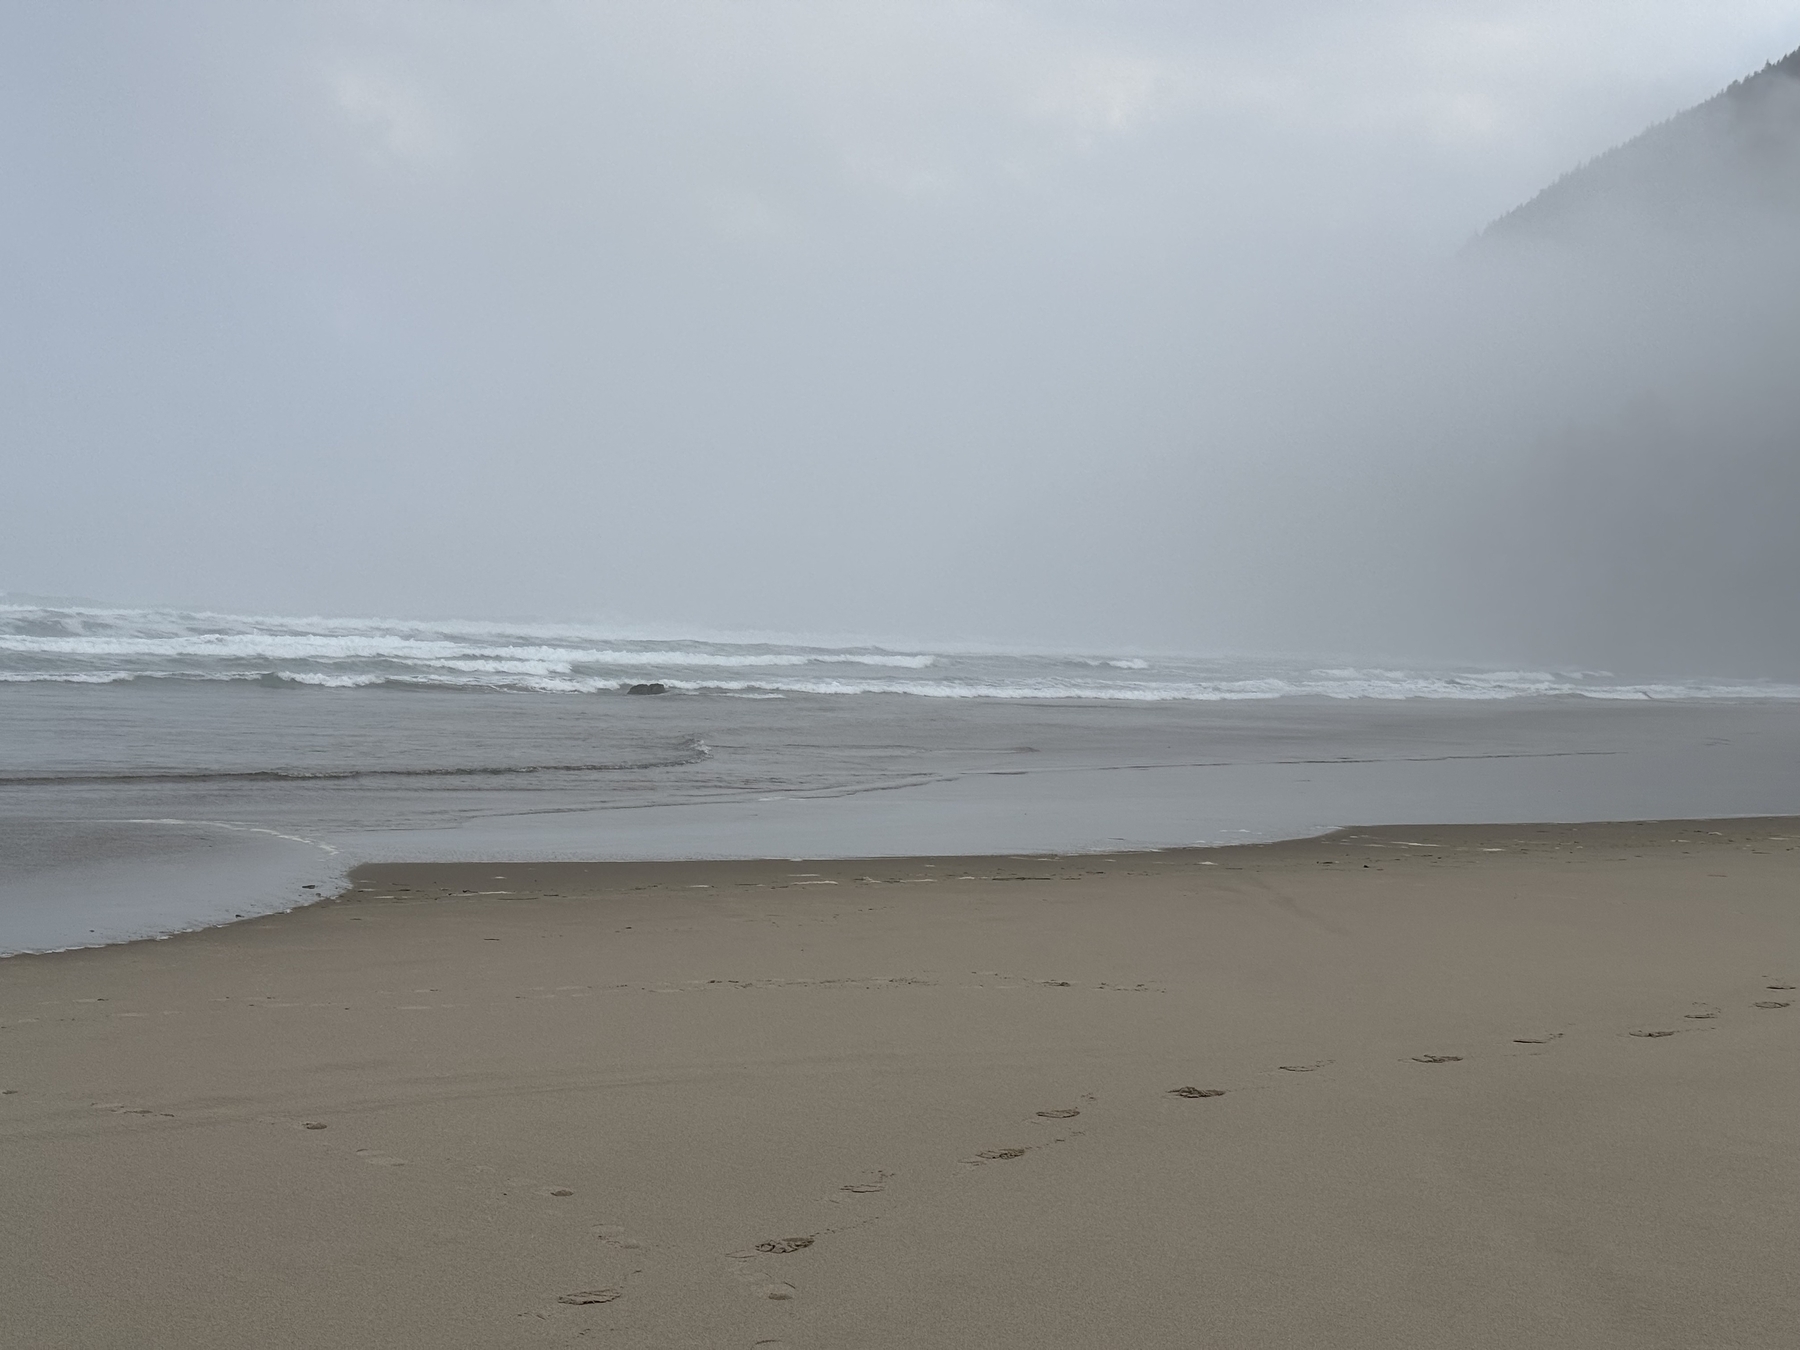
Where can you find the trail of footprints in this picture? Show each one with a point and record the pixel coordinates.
(756, 1278)
(751, 1267)
(752, 1272)
(982, 979)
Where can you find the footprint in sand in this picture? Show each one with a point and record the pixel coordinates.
(581, 1298)
(1060, 1113)
(313, 1125)
(379, 1159)
(616, 1236)
(1303, 1068)
(869, 1187)
(759, 1283)
(120, 1109)
(556, 1191)
(1771, 1003)
(1193, 1092)
(782, 1246)
(1537, 1040)
(1437, 1059)
(1702, 1015)
(1652, 1035)
(997, 1155)
(1778, 986)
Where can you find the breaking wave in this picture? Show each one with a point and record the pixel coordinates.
(90, 646)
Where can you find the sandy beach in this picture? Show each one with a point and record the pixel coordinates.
(1420, 1086)
(698, 677)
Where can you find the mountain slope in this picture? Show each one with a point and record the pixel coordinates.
(1739, 151)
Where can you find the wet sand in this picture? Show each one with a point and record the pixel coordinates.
(1423, 1086)
(134, 817)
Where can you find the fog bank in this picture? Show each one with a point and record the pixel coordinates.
(1074, 326)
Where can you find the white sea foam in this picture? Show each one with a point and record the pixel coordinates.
(86, 646)
(65, 677)
(1040, 690)
(338, 647)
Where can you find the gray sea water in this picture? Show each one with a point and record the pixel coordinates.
(162, 771)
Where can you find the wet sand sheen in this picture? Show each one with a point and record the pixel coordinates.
(1413, 1086)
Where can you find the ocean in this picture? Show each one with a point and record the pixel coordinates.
(163, 770)
(116, 646)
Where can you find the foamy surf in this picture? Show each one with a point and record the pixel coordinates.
(74, 645)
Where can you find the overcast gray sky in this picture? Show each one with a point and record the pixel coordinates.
(1029, 323)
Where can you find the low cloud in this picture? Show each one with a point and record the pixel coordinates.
(1127, 325)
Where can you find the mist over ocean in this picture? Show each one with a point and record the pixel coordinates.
(906, 675)
(1085, 337)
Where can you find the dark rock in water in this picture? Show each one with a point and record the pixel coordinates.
(648, 689)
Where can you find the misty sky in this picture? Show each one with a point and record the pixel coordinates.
(1068, 324)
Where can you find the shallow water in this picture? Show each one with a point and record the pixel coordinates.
(136, 808)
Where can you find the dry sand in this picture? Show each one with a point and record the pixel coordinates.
(1520, 1086)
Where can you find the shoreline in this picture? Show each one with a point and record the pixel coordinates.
(350, 873)
(601, 867)
(93, 863)
(1410, 1086)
